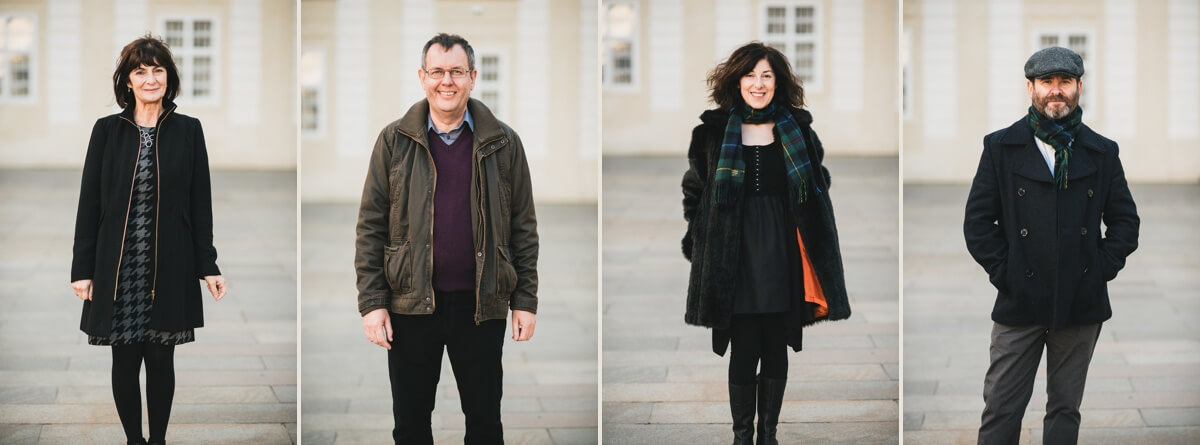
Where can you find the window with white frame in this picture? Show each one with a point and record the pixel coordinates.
(620, 44)
(795, 30)
(17, 33)
(193, 42)
(489, 83)
(1078, 41)
(312, 92)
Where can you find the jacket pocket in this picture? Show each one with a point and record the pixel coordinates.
(1001, 278)
(506, 275)
(397, 266)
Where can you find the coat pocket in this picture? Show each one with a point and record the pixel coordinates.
(506, 275)
(397, 265)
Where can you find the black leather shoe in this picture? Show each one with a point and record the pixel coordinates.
(770, 401)
(136, 442)
(741, 405)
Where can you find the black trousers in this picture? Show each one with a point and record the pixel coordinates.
(415, 365)
(1015, 353)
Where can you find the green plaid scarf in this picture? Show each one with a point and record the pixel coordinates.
(731, 168)
(1060, 134)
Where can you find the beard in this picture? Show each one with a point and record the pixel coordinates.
(1042, 105)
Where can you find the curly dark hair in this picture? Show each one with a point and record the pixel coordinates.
(150, 51)
(723, 81)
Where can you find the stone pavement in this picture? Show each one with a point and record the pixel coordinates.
(1144, 382)
(235, 385)
(550, 381)
(663, 384)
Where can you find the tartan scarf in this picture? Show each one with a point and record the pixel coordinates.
(731, 168)
(1060, 134)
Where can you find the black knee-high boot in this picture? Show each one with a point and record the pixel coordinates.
(127, 391)
(741, 406)
(770, 401)
(160, 389)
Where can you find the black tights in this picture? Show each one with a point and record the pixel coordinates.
(755, 337)
(160, 387)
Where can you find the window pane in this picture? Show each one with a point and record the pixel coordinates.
(308, 109)
(776, 20)
(492, 99)
(803, 60)
(489, 68)
(1078, 43)
(202, 33)
(622, 62)
(18, 65)
(20, 34)
(312, 68)
(804, 20)
(1049, 40)
(201, 76)
(173, 33)
(620, 21)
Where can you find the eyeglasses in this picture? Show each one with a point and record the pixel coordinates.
(439, 74)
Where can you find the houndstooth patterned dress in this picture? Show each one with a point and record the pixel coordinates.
(131, 309)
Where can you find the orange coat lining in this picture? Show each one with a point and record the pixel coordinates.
(812, 287)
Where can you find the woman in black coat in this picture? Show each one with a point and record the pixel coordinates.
(143, 235)
(761, 233)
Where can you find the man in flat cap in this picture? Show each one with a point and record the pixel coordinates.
(1033, 218)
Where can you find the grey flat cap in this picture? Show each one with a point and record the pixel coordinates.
(1054, 60)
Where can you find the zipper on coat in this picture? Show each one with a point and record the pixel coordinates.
(432, 207)
(125, 228)
(157, 200)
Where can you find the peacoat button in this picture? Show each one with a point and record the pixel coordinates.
(1090, 193)
(1085, 269)
(1083, 231)
(1024, 233)
(1028, 273)
(1021, 191)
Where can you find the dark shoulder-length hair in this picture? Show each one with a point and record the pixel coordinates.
(150, 51)
(723, 81)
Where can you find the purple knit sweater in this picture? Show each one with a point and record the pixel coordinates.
(453, 243)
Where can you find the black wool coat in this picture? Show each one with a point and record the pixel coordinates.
(1040, 245)
(713, 239)
(184, 252)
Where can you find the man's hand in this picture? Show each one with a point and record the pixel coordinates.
(522, 324)
(377, 324)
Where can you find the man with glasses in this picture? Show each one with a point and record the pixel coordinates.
(446, 246)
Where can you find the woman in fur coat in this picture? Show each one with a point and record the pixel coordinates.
(761, 234)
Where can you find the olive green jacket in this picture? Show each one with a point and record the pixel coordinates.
(393, 248)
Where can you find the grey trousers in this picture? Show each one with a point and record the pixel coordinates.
(1015, 353)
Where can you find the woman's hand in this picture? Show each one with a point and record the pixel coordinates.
(216, 286)
(83, 289)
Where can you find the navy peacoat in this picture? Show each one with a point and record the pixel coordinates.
(1040, 245)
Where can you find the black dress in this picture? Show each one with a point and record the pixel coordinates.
(133, 304)
(770, 266)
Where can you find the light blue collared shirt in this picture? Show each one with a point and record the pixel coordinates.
(450, 136)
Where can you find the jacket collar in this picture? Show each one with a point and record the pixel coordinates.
(1028, 160)
(485, 127)
(168, 107)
